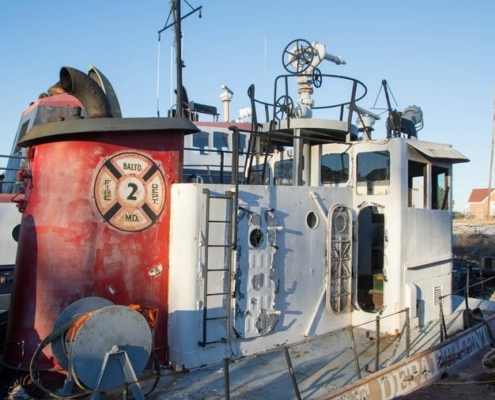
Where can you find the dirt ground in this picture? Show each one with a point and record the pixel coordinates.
(474, 240)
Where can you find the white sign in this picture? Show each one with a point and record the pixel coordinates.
(130, 191)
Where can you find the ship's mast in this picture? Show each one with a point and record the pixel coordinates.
(178, 54)
(175, 10)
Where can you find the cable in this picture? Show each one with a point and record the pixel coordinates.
(50, 338)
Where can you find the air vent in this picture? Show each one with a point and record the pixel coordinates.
(437, 293)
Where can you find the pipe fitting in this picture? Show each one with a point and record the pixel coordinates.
(87, 91)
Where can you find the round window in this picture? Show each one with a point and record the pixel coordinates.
(312, 220)
(256, 237)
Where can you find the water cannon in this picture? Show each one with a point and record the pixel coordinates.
(302, 59)
(321, 54)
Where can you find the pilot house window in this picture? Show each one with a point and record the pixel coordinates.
(242, 143)
(416, 184)
(421, 194)
(220, 141)
(440, 188)
(200, 140)
(334, 168)
(283, 172)
(373, 173)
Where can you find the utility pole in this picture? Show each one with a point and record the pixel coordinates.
(491, 165)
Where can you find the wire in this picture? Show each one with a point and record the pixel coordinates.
(446, 383)
(158, 78)
(378, 95)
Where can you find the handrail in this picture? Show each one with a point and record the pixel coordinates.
(11, 156)
(443, 327)
(405, 328)
(286, 78)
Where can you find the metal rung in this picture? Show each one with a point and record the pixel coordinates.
(203, 344)
(218, 245)
(219, 221)
(218, 196)
(217, 294)
(215, 318)
(217, 270)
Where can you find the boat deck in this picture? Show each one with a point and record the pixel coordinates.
(326, 368)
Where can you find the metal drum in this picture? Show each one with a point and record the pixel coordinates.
(98, 335)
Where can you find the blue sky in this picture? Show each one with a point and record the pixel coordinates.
(434, 54)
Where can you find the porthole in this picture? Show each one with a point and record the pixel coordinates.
(312, 220)
(256, 237)
(340, 222)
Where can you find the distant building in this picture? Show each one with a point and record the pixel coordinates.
(478, 202)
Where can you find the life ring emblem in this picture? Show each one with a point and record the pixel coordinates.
(130, 191)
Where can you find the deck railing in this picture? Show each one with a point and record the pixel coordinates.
(469, 316)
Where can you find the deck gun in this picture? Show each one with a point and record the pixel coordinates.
(302, 58)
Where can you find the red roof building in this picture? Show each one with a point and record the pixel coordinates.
(478, 203)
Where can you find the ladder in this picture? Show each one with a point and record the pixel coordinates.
(218, 249)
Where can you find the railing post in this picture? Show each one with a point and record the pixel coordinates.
(234, 179)
(291, 372)
(466, 291)
(408, 332)
(482, 284)
(356, 357)
(222, 162)
(440, 319)
(226, 378)
(377, 346)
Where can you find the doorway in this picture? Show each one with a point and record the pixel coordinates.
(371, 277)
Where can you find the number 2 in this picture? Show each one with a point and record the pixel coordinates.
(134, 189)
